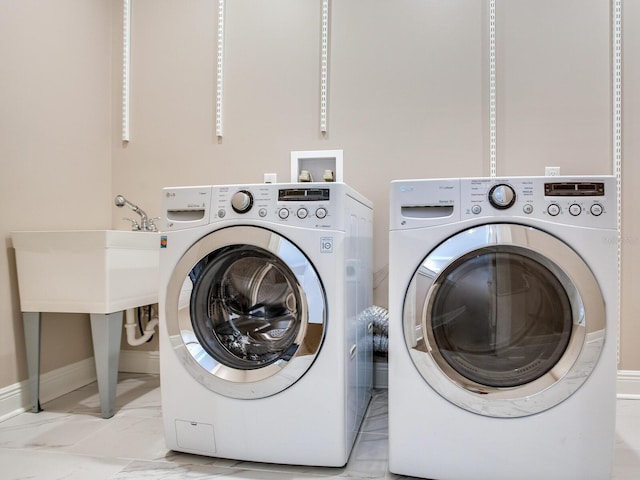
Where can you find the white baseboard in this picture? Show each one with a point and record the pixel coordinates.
(137, 361)
(15, 398)
(628, 386)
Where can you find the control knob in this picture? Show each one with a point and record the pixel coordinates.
(596, 209)
(502, 196)
(242, 201)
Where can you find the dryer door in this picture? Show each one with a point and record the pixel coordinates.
(246, 312)
(504, 320)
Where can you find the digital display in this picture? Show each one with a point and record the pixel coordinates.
(303, 194)
(574, 189)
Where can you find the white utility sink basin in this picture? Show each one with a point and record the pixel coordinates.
(86, 271)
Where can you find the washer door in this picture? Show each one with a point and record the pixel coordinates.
(504, 320)
(246, 312)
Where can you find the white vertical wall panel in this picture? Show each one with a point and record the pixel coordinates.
(220, 67)
(126, 69)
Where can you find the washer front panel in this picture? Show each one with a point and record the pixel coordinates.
(504, 320)
(246, 312)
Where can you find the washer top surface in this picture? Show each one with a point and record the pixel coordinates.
(582, 201)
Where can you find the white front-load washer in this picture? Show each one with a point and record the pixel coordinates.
(265, 352)
(503, 328)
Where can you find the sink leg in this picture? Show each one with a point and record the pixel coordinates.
(106, 330)
(31, 322)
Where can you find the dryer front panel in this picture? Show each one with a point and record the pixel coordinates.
(246, 312)
(504, 320)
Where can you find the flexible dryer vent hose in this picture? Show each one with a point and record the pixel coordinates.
(379, 317)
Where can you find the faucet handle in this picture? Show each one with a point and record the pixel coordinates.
(135, 226)
(152, 224)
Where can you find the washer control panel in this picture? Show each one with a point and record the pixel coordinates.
(308, 206)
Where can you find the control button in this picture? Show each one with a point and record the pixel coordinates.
(528, 208)
(262, 212)
(502, 196)
(242, 201)
(283, 213)
(302, 213)
(553, 209)
(321, 212)
(596, 209)
(575, 209)
(476, 209)
(221, 213)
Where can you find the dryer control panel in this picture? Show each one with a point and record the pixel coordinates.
(588, 201)
(583, 201)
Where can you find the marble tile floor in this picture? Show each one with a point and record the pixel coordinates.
(69, 440)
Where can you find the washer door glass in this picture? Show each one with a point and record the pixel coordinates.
(244, 306)
(504, 320)
(248, 308)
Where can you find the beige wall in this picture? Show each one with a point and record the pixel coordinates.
(554, 86)
(630, 331)
(408, 98)
(55, 101)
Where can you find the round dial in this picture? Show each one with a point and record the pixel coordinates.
(596, 209)
(242, 201)
(502, 196)
(553, 209)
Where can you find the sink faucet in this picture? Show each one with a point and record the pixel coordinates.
(146, 224)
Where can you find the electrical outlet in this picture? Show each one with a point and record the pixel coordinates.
(551, 171)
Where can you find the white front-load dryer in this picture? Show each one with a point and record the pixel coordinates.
(503, 328)
(265, 354)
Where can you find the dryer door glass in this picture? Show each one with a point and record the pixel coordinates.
(504, 320)
(245, 312)
(500, 319)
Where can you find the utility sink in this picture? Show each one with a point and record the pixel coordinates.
(99, 272)
(86, 271)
